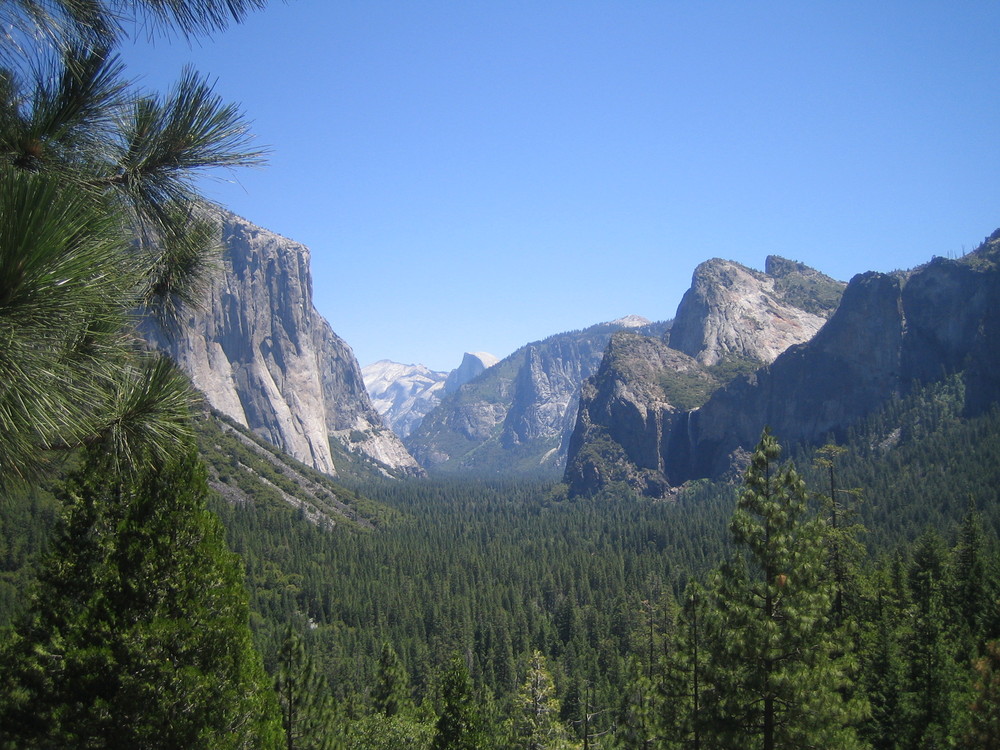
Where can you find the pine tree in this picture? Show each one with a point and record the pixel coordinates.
(307, 714)
(101, 20)
(882, 665)
(392, 685)
(934, 681)
(99, 218)
(984, 730)
(776, 666)
(970, 594)
(536, 721)
(681, 716)
(843, 548)
(138, 634)
(460, 724)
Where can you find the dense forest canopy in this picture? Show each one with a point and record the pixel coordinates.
(598, 605)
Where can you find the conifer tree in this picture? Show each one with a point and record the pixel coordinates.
(536, 722)
(392, 685)
(307, 714)
(984, 729)
(99, 218)
(934, 681)
(460, 724)
(776, 666)
(681, 715)
(881, 663)
(138, 633)
(970, 595)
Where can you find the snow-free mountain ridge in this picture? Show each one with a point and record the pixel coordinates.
(262, 355)
(890, 334)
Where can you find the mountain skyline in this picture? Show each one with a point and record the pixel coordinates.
(487, 173)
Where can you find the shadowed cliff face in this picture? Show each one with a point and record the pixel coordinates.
(626, 413)
(848, 369)
(889, 333)
(262, 354)
(635, 419)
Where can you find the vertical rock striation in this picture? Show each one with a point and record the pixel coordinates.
(516, 417)
(889, 334)
(261, 353)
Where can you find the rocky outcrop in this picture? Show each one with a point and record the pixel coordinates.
(625, 415)
(263, 355)
(734, 311)
(851, 367)
(890, 333)
(516, 417)
(635, 414)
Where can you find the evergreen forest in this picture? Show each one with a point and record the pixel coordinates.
(847, 596)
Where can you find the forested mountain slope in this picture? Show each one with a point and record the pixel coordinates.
(499, 570)
(496, 570)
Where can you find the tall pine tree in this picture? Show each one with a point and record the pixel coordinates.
(392, 684)
(460, 724)
(536, 721)
(307, 715)
(776, 665)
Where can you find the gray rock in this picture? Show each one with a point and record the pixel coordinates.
(516, 417)
(473, 365)
(261, 353)
(732, 310)
(637, 413)
(889, 334)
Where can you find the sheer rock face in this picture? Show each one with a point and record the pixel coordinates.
(850, 368)
(473, 365)
(625, 417)
(889, 333)
(634, 424)
(263, 355)
(732, 310)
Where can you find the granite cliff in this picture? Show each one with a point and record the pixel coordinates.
(889, 334)
(405, 394)
(734, 311)
(473, 365)
(262, 355)
(732, 320)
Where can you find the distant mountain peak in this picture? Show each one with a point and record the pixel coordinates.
(630, 321)
(402, 394)
(516, 415)
(473, 365)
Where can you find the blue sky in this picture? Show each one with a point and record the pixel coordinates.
(472, 176)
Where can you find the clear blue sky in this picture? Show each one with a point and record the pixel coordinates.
(472, 175)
